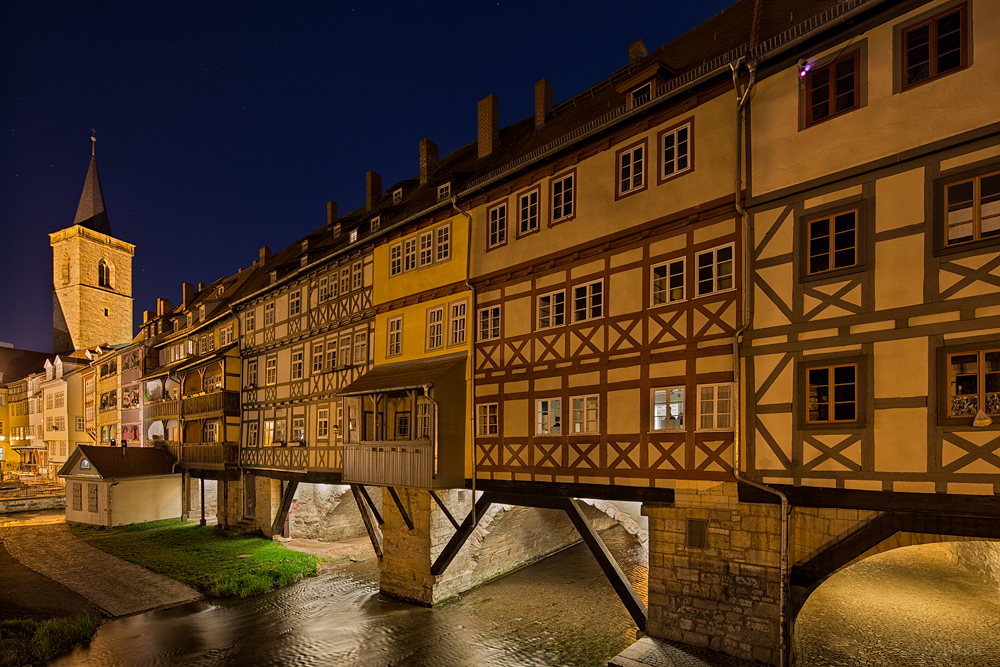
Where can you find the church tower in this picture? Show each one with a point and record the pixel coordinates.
(91, 276)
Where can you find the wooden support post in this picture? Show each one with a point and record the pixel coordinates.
(202, 522)
(399, 506)
(633, 603)
(286, 504)
(461, 535)
(368, 499)
(445, 510)
(374, 534)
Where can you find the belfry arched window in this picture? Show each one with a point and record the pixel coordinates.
(103, 274)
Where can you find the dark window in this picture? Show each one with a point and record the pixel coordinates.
(833, 89)
(103, 274)
(833, 241)
(974, 383)
(697, 533)
(972, 208)
(934, 47)
(833, 394)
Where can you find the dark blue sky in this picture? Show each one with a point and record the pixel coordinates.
(223, 127)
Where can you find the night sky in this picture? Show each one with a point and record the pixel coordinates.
(223, 127)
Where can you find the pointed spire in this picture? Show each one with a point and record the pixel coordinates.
(91, 213)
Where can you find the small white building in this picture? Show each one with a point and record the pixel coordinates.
(114, 486)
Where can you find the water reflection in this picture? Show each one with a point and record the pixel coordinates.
(560, 611)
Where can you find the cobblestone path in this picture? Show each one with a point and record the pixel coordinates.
(115, 586)
(909, 607)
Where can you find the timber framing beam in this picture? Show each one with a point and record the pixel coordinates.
(445, 510)
(878, 501)
(374, 534)
(564, 490)
(286, 504)
(399, 506)
(457, 540)
(364, 494)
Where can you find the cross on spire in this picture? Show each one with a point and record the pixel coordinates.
(93, 139)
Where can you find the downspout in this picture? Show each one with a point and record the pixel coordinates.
(472, 349)
(427, 395)
(742, 100)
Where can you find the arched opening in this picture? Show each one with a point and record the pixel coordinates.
(104, 274)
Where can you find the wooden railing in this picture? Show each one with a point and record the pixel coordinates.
(162, 409)
(299, 458)
(218, 401)
(406, 463)
(209, 455)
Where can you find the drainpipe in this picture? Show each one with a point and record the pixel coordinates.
(472, 349)
(427, 395)
(742, 100)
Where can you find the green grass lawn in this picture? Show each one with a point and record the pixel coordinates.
(202, 557)
(27, 642)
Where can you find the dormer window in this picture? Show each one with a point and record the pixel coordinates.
(376, 221)
(274, 277)
(397, 195)
(305, 245)
(190, 319)
(201, 313)
(304, 260)
(444, 191)
(336, 230)
(222, 288)
(354, 235)
(642, 94)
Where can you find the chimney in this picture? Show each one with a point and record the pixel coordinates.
(147, 315)
(331, 213)
(187, 291)
(373, 189)
(428, 159)
(543, 101)
(265, 254)
(163, 307)
(489, 124)
(201, 286)
(636, 50)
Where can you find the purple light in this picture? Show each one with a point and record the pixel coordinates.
(804, 70)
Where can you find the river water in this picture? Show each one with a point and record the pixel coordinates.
(559, 611)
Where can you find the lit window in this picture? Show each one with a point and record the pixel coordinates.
(549, 413)
(268, 433)
(323, 423)
(668, 409)
(298, 429)
(715, 270)
(552, 310)
(588, 301)
(972, 208)
(715, 407)
(585, 414)
(271, 372)
(974, 383)
(487, 419)
(498, 225)
(354, 235)
(489, 323)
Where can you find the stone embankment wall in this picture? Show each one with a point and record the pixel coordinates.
(9, 505)
(980, 558)
(328, 512)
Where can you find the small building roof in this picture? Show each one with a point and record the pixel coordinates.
(403, 375)
(116, 462)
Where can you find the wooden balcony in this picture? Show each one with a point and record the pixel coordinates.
(216, 403)
(205, 455)
(406, 463)
(296, 458)
(167, 409)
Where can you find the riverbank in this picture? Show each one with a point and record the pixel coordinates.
(203, 558)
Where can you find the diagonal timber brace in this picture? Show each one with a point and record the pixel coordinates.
(368, 499)
(374, 533)
(286, 504)
(457, 540)
(402, 510)
(445, 510)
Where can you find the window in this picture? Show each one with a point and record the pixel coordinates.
(409, 254)
(585, 414)
(487, 419)
(527, 213)
(562, 198)
(324, 289)
(336, 230)
(588, 301)
(297, 365)
(227, 335)
(642, 94)
(357, 276)
(668, 409)
(202, 344)
(456, 323)
(268, 314)
(934, 47)
(103, 274)
(402, 426)
(345, 280)
(426, 248)
(60, 399)
(631, 169)
(361, 347)
(668, 282)
(444, 191)
(489, 323)
(497, 217)
(397, 195)
(48, 401)
(715, 407)
(677, 148)
(298, 429)
(715, 270)
(252, 434)
(395, 337)
(295, 303)
(833, 394)
(376, 222)
(549, 412)
(395, 260)
(833, 241)
(833, 89)
(268, 434)
(252, 373)
(271, 372)
(331, 353)
(317, 352)
(443, 243)
(323, 423)
(279, 430)
(974, 383)
(208, 383)
(435, 328)
(91, 497)
(210, 432)
(354, 235)
(48, 424)
(250, 321)
(972, 209)
(201, 313)
(80, 424)
(345, 351)
(423, 421)
(552, 310)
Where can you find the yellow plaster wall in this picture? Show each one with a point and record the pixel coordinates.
(386, 289)
(415, 330)
(899, 201)
(901, 368)
(898, 275)
(623, 411)
(901, 440)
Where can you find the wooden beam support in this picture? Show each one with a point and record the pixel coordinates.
(286, 504)
(633, 603)
(461, 535)
(374, 534)
(445, 510)
(399, 506)
(368, 499)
